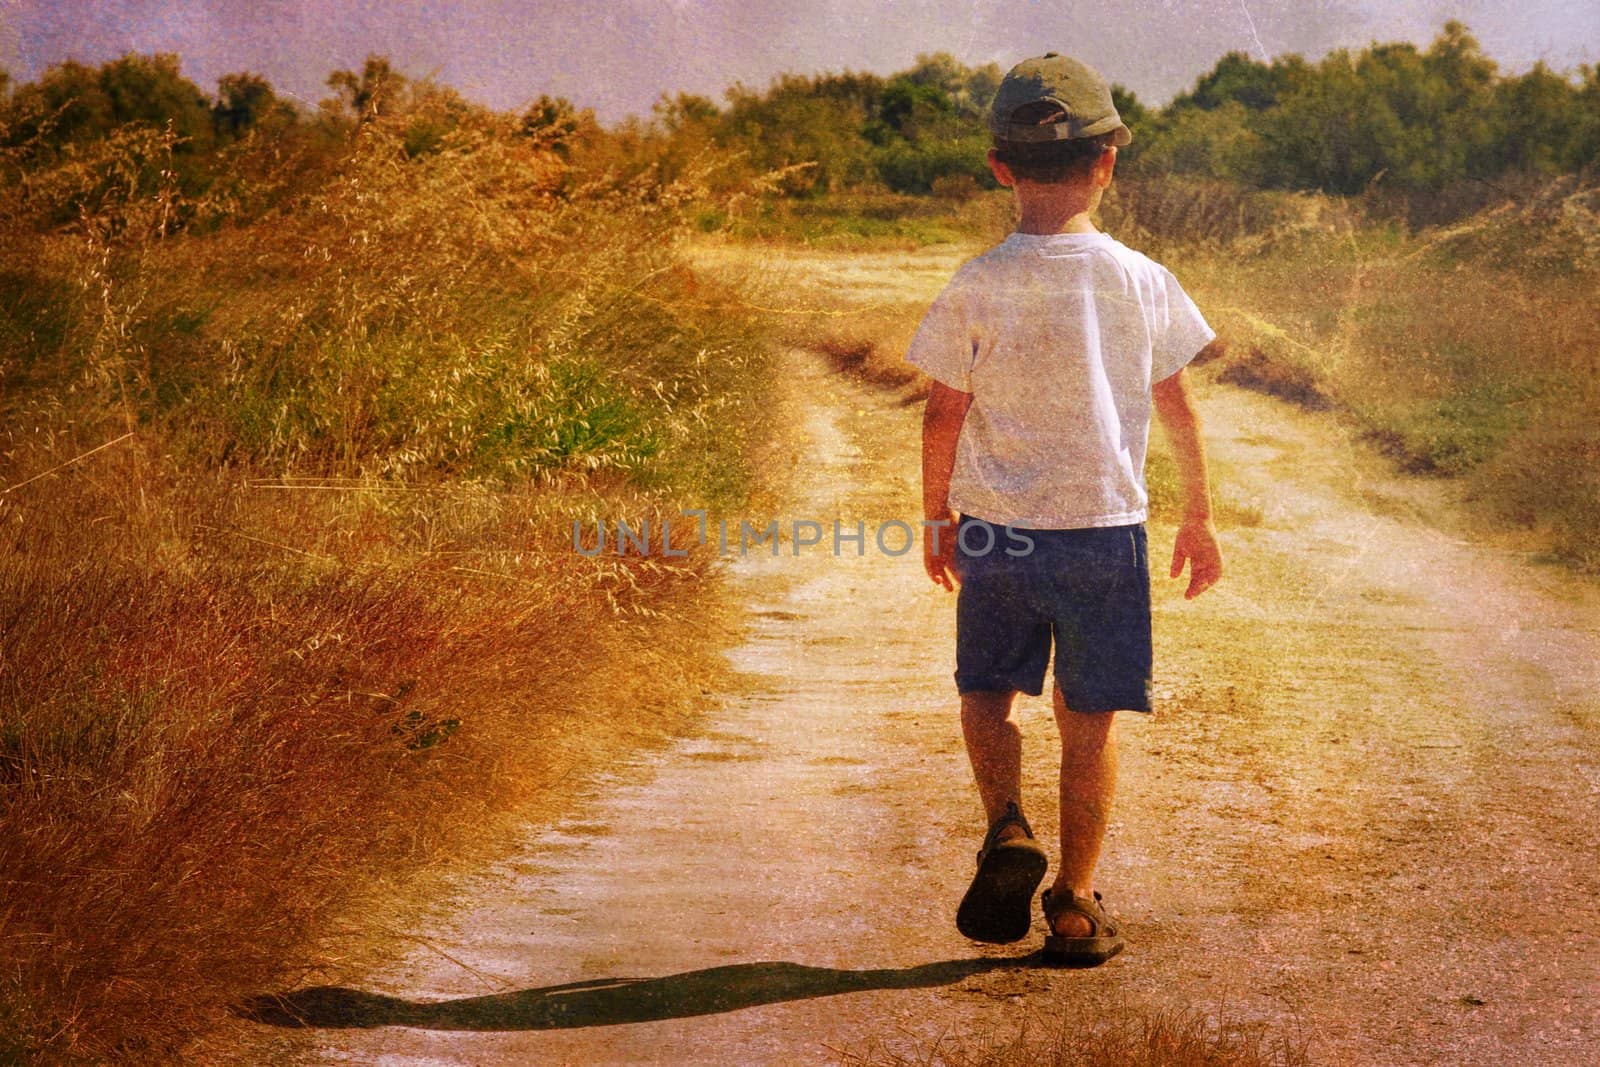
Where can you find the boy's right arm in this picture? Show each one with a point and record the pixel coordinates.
(942, 419)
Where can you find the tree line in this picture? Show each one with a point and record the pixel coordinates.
(1417, 120)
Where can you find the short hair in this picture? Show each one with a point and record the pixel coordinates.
(1050, 161)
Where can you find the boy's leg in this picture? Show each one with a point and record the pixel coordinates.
(998, 905)
(994, 745)
(1088, 784)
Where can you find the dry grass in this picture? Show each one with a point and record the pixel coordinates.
(203, 759)
(1466, 353)
(1126, 1038)
(312, 622)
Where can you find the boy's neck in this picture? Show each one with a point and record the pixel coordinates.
(1055, 207)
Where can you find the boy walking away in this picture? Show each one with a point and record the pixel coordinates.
(1047, 354)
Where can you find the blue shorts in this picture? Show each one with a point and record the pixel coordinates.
(1086, 590)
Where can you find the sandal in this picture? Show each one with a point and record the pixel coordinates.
(996, 908)
(1103, 941)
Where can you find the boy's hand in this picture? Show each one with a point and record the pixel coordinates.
(1196, 544)
(939, 550)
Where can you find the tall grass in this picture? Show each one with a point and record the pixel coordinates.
(1467, 352)
(311, 619)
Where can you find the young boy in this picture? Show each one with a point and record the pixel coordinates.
(1047, 354)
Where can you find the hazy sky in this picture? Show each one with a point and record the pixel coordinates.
(617, 56)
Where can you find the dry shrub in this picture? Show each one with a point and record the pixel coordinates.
(1126, 1038)
(870, 345)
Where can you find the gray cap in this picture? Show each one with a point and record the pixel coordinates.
(1078, 89)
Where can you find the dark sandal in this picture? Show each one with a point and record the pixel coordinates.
(998, 905)
(1103, 941)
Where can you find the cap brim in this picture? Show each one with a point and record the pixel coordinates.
(1062, 131)
(1112, 124)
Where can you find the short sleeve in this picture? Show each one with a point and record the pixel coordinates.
(1181, 331)
(942, 346)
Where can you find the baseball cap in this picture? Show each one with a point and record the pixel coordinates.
(1076, 88)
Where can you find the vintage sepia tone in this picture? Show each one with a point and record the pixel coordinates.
(462, 523)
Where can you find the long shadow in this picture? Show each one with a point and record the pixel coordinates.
(606, 1001)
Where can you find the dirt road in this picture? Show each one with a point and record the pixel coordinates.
(1364, 812)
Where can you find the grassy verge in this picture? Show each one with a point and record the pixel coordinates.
(1467, 352)
(288, 602)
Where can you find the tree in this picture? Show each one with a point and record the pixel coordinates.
(906, 109)
(66, 105)
(803, 120)
(982, 83)
(1210, 142)
(551, 122)
(1327, 132)
(1537, 118)
(431, 113)
(375, 91)
(74, 104)
(150, 89)
(1236, 76)
(245, 101)
(1461, 82)
(685, 112)
(1139, 121)
(1583, 146)
(969, 91)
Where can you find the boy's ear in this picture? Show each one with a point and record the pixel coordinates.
(1001, 172)
(1104, 166)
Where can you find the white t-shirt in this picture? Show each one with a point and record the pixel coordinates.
(1058, 338)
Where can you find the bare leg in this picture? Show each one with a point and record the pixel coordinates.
(994, 745)
(1088, 784)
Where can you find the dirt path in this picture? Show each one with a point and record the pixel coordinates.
(1364, 811)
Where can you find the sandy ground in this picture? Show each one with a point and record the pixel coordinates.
(1363, 812)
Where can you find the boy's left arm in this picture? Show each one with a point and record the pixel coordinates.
(1196, 542)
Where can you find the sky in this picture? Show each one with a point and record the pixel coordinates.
(619, 56)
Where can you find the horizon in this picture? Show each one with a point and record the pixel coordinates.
(617, 59)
